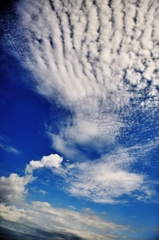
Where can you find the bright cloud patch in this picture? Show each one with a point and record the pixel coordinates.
(100, 183)
(52, 160)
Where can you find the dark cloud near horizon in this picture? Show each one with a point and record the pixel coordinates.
(16, 231)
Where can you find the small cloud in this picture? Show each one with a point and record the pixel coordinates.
(37, 191)
(53, 160)
(10, 149)
(42, 192)
(71, 207)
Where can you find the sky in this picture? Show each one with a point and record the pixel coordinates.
(79, 125)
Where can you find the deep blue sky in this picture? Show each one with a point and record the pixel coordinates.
(79, 125)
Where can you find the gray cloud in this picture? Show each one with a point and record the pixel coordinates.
(17, 231)
(13, 189)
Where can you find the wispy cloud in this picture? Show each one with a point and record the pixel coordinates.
(10, 149)
(110, 179)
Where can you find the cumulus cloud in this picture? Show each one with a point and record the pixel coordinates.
(99, 59)
(53, 160)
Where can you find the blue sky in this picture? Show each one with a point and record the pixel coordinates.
(79, 106)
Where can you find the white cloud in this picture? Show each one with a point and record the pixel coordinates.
(53, 160)
(105, 180)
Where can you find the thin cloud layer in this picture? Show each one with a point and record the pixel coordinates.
(89, 131)
(10, 149)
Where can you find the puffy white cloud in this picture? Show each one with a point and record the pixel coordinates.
(53, 160)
